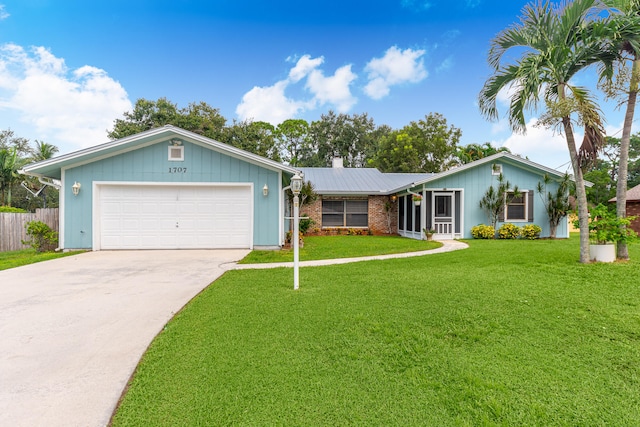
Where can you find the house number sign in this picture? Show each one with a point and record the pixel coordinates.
(177, 170)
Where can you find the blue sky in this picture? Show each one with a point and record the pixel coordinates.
(68, 69)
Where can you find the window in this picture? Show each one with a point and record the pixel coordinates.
(496, 169)
(516, 209)
(345, 213)
(176, 153)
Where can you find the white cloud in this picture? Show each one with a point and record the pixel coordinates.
(271, 104)
(333, 90)
(395, 67)
(3, 13)
(268, 104)
(541, 145)
(66, 107)
(303, 67)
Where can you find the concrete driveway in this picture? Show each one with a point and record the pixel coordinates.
(72, 330)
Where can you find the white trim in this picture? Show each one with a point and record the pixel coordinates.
(62, 204)
(158, 135)
(525, 198)
(95, 220)
(280, 210)
(180, 149)
(453, 192)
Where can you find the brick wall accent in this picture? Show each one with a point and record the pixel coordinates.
(633, 209)
(313, 211)
(377, 215)
(378, 220)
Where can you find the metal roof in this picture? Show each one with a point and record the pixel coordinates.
(358, 180)
(362, 181)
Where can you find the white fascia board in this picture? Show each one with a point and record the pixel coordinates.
(160, 134)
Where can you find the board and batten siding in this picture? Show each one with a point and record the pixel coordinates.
(476, 181)
(150, 164)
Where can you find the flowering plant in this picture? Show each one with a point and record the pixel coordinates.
(417, 198)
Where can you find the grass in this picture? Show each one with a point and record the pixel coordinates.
(12, 259)
(331, 247)
(503, 333)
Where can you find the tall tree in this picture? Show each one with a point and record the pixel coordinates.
(9, 141)
(428, 145)
(472, 152)
(341, 135)
(626, 41)
(293, 135)
(200, 118)
(552, 45)
(256, 137)
(9, 163)
(43, 151)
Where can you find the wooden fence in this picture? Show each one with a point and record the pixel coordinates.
(13, 231)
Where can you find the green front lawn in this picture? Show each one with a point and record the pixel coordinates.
(13, 259)
(331, 247)
(503, 333)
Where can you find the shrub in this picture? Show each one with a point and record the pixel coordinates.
(530, 231)
(11, 209)
(42, 237)
(509, 231)
(305, 224)
(483, 231)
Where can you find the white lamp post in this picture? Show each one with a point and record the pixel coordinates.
(296, 186)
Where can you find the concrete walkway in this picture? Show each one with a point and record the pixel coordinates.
(72, 330)
(447, 246)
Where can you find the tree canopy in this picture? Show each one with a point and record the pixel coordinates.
(428, 145)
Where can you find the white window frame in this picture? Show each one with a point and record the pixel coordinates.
(176, 159)
(525, 202)
(496, 169)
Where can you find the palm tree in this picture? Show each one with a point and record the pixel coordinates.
(43, 151)
(8, 174)
(626, 42)
(554, 45)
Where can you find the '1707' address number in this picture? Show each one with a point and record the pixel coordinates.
(177, 170)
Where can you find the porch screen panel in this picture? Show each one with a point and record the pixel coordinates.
(417, 218)
(429, 207)
(332, 213)
(458, 211)
(357, 213)
(401, 203)
(409, 203)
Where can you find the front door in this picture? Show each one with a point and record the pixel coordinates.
(443, 216)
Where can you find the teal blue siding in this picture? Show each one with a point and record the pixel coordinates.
(476, 181)
(151, 164)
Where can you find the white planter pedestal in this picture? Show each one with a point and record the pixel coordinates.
(603, 253)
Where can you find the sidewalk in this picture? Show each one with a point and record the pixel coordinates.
(447, 246)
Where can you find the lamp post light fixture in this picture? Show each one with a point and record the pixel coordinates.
(296, 186)
(75, 188)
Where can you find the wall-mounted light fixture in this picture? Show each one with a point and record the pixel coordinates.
(394, 198)
(265, 190)
(75, 188)
(176, 142)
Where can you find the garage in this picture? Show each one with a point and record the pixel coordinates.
(167, 188)
(178, 216)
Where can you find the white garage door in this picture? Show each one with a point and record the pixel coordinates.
(174, 217)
